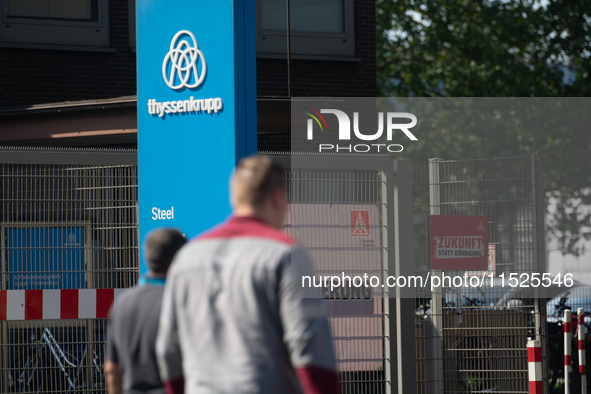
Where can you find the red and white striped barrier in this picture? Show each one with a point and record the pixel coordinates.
(534, 358)
(582, 359)
(567, 350)
(56, 304)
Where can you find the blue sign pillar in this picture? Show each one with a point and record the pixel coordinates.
(196, 102)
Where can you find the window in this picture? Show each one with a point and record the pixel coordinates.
(78, 24)
(318, 27)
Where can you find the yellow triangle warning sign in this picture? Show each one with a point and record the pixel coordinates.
(360, 227)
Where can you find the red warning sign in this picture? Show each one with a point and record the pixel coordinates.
(459, 242)
(359, 223)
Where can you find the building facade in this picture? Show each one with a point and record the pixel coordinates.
(68, 76)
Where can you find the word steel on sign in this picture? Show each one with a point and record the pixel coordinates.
(162, 214)
(196, 82)
(459, 242)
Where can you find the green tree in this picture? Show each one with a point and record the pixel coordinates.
(508, 48)
(483, 48)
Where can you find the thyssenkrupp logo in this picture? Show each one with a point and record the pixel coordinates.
(183, 58)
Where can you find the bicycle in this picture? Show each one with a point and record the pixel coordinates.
(45, 357)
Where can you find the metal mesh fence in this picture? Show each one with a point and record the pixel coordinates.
(473, 339)
(321, 205)
(54, 356)
(75, 227)
(63, 226)
(68, 226)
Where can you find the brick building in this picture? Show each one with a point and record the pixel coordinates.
(67, 75)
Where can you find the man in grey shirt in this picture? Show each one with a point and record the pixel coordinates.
(235, 318)
(131, 365)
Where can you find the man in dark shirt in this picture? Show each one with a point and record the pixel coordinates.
(131, 365)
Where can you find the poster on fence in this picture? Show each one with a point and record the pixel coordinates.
(345, 238)
(459, 242)
(45, 257)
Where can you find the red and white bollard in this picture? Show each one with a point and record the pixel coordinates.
(534, 358)
(582, 359)
(567, 350)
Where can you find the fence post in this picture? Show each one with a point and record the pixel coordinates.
(388, 266)
(436, 362)
(404, 266)
(4, 357)
(567, 350)
(539, 252)
(534, 358)
(3, 325)
(582, 359)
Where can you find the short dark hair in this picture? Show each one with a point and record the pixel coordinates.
(160, 247)
(255, 179)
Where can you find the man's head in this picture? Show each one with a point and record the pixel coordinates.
(160, 247)
(258, 189)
